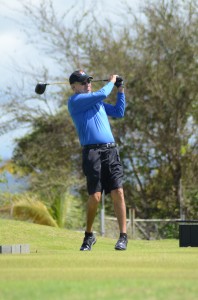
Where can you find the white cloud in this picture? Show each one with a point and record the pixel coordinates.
(9, 41)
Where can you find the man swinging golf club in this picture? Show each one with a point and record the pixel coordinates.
(100, 157)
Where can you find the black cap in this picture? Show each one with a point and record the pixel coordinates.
(78, 76)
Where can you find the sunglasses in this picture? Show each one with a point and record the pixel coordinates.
(85, 82)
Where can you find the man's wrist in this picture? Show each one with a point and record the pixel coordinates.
(121, 89)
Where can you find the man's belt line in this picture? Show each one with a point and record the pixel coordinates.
(98, 146)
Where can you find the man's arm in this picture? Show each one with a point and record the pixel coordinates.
(121, 89)
(82, 102)
(117, 110)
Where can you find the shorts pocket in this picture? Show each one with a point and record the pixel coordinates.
(84, 161)
(118, 155)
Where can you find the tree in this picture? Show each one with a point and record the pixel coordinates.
(162, 106)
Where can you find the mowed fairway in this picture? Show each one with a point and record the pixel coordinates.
(56, 269)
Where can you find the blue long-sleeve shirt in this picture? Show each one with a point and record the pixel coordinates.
(90, 115)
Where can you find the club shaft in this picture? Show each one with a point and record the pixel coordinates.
(52, 83)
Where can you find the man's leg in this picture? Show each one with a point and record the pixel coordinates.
(120, 212)
(92, 205)
(119, 208)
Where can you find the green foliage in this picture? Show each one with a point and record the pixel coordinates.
(2, 178)
(58, 210)
(50, 145)
(2, 174)
(168, 231)
(28, 208)
(50, 155)
(161, 102)
(67, 211)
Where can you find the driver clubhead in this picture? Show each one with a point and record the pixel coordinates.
(40, 88)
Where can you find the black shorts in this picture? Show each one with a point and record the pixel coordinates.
(103, 169)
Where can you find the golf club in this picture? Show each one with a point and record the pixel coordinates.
(41, 86)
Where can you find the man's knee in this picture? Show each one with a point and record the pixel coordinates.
(118, 192)
(96, 197)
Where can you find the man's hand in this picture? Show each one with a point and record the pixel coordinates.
(112, 78)
(119, 82)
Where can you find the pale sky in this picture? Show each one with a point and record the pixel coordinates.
(14, 46)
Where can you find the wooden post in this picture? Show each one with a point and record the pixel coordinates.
(102, 216)
(132, 219)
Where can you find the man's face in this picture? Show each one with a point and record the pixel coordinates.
(82, 87)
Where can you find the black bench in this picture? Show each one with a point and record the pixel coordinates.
(188, 233)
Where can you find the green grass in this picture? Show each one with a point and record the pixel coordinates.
(56, 269)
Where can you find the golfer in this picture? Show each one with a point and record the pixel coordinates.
(100, 157)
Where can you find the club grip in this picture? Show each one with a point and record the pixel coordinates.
(97, 80)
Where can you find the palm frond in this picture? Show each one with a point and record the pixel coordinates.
(27, 207)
